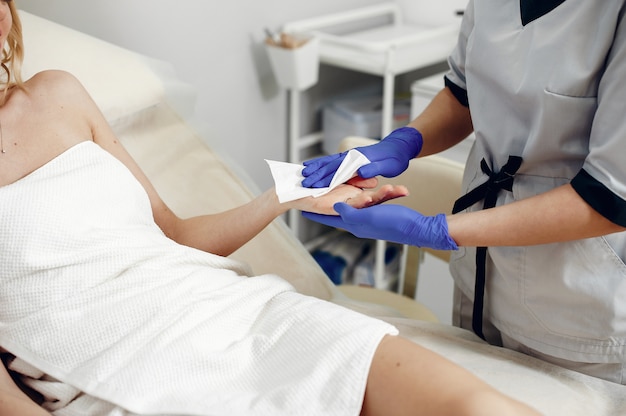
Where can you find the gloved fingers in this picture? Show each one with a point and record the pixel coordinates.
(358, 221)
(387, 168)
(348, 213)
(369, 171)
(330, 220)
(320, 176)
(317, 162)
(320, 179)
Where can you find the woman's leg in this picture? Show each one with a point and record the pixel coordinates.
(407, 379)
(13, 401)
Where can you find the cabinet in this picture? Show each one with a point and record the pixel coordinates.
(377, 40)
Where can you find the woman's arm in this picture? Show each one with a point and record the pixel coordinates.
(224, 232)
(554, 216)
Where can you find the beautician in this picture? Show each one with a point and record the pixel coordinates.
(538, 237)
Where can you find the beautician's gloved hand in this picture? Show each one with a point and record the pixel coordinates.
(395, 223)
(389, 157)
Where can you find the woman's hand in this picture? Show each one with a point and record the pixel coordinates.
(357, 192)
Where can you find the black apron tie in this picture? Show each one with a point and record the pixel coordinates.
(488, 192)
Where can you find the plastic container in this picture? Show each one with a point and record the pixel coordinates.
(358, 117)
(338, 256)
(363, 274)
(298, 68)
(347, 259)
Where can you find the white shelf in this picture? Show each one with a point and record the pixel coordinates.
(361, 52)
(310, 140)
(392, 47)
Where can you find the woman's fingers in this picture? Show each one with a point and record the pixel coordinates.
(363, 183)
(368, 198)
(388, 192)
(352, 194)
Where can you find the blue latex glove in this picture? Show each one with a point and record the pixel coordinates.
(395, 223)
(389, 157)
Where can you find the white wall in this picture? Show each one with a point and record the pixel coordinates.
(217, 47)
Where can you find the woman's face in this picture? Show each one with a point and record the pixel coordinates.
(6, 21)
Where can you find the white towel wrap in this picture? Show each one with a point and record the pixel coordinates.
(96, 297)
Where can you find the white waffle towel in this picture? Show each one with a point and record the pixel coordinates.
(95, 297)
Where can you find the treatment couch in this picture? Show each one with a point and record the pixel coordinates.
(143, 100)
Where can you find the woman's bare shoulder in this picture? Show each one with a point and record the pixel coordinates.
(51, 75)
(57, 88)
(54, 81)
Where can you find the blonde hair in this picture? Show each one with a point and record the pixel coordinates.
(13, 54)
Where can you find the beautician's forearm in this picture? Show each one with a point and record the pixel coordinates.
(555, 216)
(444, 123)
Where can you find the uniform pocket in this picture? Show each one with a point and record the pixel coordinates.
(576, 289)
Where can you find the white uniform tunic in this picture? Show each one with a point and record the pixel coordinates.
(547, 82)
